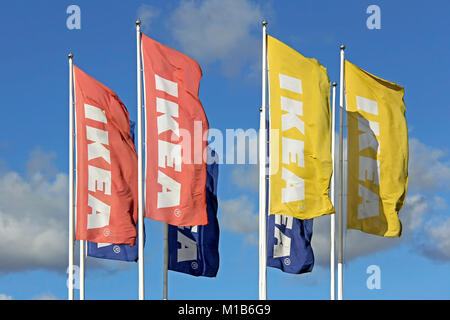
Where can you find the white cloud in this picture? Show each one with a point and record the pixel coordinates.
(147, 14)
(427, 168)
(238, 215)
(217, 30)
(437, 242)
(45, 296)
(5, 297)
(246, 177)
(33, 230)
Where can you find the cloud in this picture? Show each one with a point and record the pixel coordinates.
(238, 215)
(427, 169)
(5, 297)
(217, 30)
(437, 244)
(33, 216)
(45, 296)
(246, 177)
(147, 14)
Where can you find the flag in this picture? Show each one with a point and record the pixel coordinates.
(195, 250)
(106, 165)
(377, 152)
(300, 134)
(176, 137)
(289, 244)
(111, 251)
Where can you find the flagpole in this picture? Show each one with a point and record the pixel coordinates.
(166, 261)
(140, 169)
(332, 187)
(262, 175)
(341, 183)
(82, 257)
(71, 188)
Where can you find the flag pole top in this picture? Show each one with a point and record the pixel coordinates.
(334, 83)
(342, 47)
(138, 22)
(70, 55)
(264, 23)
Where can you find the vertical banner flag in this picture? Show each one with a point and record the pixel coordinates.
(300, 134)
(377, 152)
(112, 251)
(106, 165)
(176, 137)
(195, 250)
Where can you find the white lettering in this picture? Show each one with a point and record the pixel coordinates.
(188, 249)
(166, 121)
(295, 187)
(170, 194)
(99, 217)
(370, 203)
(99, 179)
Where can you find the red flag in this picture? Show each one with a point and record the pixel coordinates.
(106, 165)
(175, 126)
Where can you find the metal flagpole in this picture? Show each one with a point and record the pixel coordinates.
(140, 171)
(166, 261)
(333, 216)
(262, 175)
(71, 188)
(341, 183)
(82, 259)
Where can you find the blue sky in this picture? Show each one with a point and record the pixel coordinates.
(411, 49)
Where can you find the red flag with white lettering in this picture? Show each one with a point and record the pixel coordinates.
(107, 191)
(176, 137)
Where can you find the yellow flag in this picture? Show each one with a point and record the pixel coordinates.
(377, 152)
(300, 135)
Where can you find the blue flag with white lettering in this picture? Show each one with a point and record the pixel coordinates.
(115, 251)
(195, 250)
(289, 244)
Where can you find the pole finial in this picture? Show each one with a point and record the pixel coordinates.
(334, 83)
(138, 22)
(342, 47)
(70, 55)
(264, 23)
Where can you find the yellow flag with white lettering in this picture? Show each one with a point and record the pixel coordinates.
(377, 153)
(300, 134)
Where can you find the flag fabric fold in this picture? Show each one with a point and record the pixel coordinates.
(377, 152)
(195, 250)
(176, 137)
(106, 176)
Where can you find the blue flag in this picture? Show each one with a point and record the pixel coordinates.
(115, 251)
(289, 244)
(195, 250)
